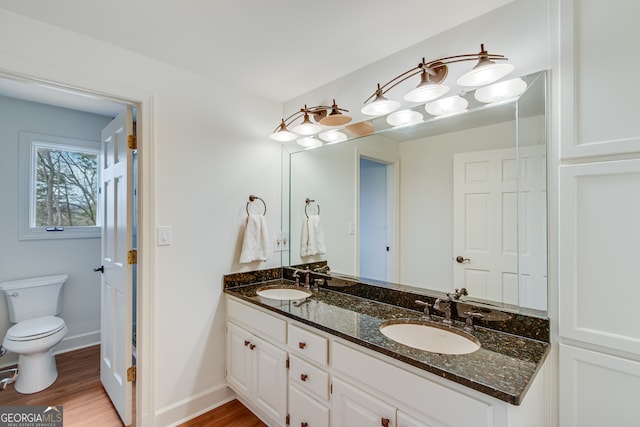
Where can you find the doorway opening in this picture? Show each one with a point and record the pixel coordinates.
(377, 251)
(25, 89)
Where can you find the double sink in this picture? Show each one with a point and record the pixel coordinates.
(423, 335)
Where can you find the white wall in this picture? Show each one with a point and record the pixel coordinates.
(206, 151)
(30, 258)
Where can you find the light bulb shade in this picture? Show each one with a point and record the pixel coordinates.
(332, 136)
(404, 118)
(307, 128)
(283, 136)
(502, 91)
(449, 105)
(426, 92)
(360, 128)
(380, 106)
(335, 118)
(484, 73)
(309, 142)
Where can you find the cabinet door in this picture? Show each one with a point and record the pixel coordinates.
(306, 411)
(597, 389)
(405, 420)
(270, 379)
(239, 364)
(354, 407)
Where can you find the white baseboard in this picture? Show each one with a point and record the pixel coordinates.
(76, 342)
(194, 406)
(69, 343)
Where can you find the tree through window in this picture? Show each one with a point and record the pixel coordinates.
(59, 181)
(66, 187)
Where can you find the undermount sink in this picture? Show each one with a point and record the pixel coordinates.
(428, 336)
(284, 293)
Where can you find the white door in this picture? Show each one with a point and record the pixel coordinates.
(116, 318)
(239, 364)
(485, 224)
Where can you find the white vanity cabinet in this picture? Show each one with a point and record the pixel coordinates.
(257, 369)
(337, 383)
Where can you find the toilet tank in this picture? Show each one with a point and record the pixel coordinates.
(33, 297)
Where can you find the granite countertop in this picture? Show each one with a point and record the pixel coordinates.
(503, 367)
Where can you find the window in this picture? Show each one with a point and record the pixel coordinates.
(59, 187)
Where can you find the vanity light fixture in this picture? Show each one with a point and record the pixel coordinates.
(404, 118)
(309, 142)
(322, 115)
(432, 74)
(446, 106)
(332, 136)
(501, 92)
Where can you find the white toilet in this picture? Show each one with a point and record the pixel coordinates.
(33, 305)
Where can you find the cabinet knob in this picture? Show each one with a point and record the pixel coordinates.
(304, 424)
(304, 377)
(252, 346)
(302, 345)
(246, 343)
(385, 422)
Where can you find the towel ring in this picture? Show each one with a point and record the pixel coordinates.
(252, 198)
(308, 201)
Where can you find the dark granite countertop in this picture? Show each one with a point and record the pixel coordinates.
(503, 367)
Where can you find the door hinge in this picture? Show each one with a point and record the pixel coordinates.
(132, 142)
(330, 388)
(286, 364)
(288, 419)
(132, 257)
(131, 374)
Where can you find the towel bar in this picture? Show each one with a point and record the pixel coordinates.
(308, 201)
(252, 198)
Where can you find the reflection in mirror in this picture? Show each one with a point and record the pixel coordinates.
(451, 202)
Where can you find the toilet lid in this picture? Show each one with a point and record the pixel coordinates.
(32, 329)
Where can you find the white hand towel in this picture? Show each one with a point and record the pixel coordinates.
(255, 246)
(312, 237)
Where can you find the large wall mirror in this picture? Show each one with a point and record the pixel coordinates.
(451, 202)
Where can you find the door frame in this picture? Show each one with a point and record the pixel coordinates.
(145, 129)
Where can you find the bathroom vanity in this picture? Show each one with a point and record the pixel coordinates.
(322, 360)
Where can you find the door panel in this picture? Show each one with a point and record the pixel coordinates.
(116, 305)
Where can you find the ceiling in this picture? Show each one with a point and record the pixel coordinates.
(278, 49)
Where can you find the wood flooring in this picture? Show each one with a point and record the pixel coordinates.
(85, 402)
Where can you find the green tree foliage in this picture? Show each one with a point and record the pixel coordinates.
(66, 188)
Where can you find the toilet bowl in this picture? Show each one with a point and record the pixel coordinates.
(33, 304)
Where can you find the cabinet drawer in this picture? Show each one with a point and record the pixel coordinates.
(308, 377)
(307, 344)
(306, 411)
(257, 320)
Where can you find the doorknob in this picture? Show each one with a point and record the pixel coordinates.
(461, 260)
(100, 269)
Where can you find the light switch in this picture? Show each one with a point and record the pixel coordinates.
(352, 229)
(164, 235)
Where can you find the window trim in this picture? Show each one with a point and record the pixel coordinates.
(27, 174)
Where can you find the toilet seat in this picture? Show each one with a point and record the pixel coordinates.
(33, 329)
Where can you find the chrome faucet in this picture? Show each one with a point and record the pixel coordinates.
(296, 275)
(444, 305)
(427, 306)
(324, 269)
